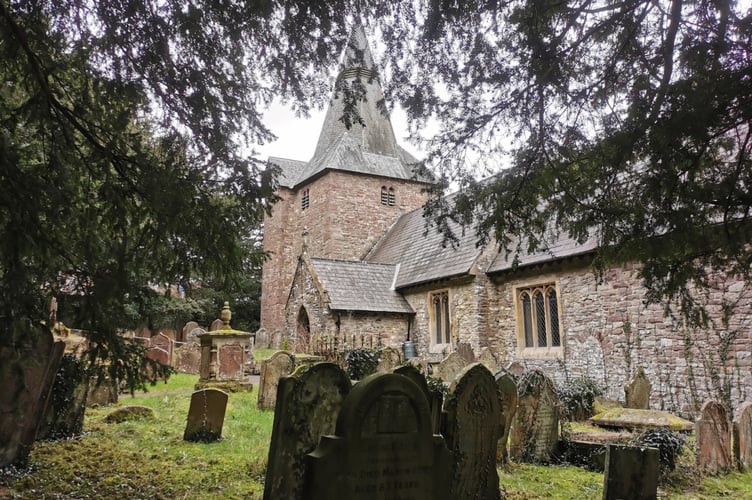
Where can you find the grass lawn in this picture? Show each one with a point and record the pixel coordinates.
(149, 459)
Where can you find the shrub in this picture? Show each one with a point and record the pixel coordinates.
(578, 398)
(361, 362)
(668, 442)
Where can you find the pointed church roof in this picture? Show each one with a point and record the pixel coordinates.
(367, 146)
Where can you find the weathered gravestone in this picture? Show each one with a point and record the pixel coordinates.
(637, 391)
(743, 436)
(308, 403)
(509, 399)
(389, 359)
(383, 448)
(535, 428)
(188, 358)
(487, 358)
(160, 349)
(631, 473)
(217, 324)
(30, 358)
(187, 328)
(280, 364)
(206, 415)
(713, 434)
(450, 367)
(472, 429)
(435, 398)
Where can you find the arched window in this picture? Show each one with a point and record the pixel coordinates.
(387, 196)
(538, 313)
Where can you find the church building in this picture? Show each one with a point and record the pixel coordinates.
(351, 255)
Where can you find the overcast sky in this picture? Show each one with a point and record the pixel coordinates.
(297, 136)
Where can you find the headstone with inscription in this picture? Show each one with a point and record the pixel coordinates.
(535, 428)
(389, 359)
(308, 404)
(217, 324)
(631, 472)
(713, 434)
(472, 429)
(509, 399)
(637, 391)
(280, 364)
(743, 436)
(435, 398)
(450, 367)
(206, 415)
(383, 448)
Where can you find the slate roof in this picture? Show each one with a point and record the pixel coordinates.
(422, 256)
(557, 246)
(370, 148)
(360, 286)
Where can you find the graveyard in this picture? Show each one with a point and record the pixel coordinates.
(147, 454)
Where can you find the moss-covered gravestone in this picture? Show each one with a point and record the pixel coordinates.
(473, 427)
(742, 431)
(308, 404)
(280, 364)
(383, 448)
(509, 399)
(206, 415)
(713, 434)
(535, 429)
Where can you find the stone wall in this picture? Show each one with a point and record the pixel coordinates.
(344, 219)
(609, 331)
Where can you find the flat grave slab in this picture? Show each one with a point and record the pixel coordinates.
(634, 419)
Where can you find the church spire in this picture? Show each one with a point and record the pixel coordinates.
(359, 99)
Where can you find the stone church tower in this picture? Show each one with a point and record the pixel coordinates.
(342, 201)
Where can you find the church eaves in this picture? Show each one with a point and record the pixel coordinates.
(368, 146)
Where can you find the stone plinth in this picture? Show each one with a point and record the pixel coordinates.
(226, 357)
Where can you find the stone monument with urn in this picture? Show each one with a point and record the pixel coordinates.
(226, 357)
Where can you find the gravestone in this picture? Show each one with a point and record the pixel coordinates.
(232, 361)
(280, 364)
(160, 349)
(217, 324)
(713, 434)
(472, 429)
(389, 359)
(383, 448)
(308, 403)
(487, 358)
(535, 428)
(516, 369)
(509, 399)
(435, 398)
(631, 472)
(187, 328)
(637, 391)
(206, 415)
(188, 358)
(742, 428)
(450, 367)
(466, 352)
